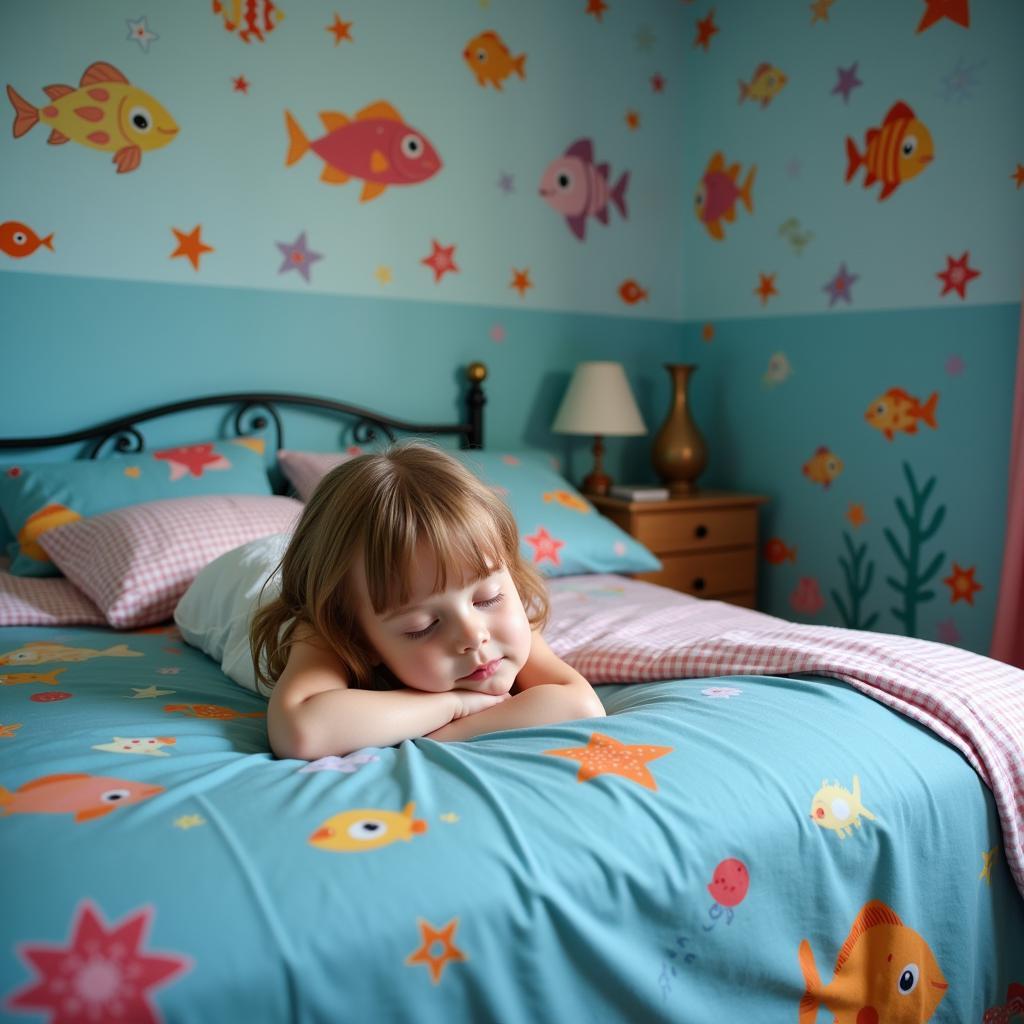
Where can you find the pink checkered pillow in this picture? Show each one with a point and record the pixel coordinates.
(305, 470)
(37, 601)
(136, 562)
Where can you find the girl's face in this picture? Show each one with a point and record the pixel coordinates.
(473, 635)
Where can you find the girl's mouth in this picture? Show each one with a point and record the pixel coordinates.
(483, 672)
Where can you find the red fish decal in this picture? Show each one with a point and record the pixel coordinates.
(377, 146)
(631, 293)
(19, 240)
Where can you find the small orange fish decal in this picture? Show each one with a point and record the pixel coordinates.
(15, 678)
(895, 152)
(884, 972)
(775, 552)
(567, 500)
(899, 410)
(823, 467)
(84, 796)
(491, 60)
(631, 292)
(212, 711)
(252, 17)
(767, 82)
(19, 240)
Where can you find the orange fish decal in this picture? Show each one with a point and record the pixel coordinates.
(631, 293)
(899, 410)
(491, 60)
(884, 972)
(718, 192)
(84, 796)
(775, 552)
(105, 112)
(894, 153)
(253, 17)
(823, 467)
(212, 711)
(19, 240)
(15, 678)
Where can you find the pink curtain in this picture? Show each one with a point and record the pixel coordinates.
(1008, 636)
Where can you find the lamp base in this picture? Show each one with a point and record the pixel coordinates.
(597, 481)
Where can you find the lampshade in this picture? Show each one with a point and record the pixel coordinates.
(599, 402)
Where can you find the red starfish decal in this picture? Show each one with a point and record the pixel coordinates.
(961, 584)
(521, 281)
(191, 245)
(766, 288)
(957, 276)
(545, 546)
(596, 8)
(441, 260)
(192, 459)
(241, 84)
(436, 936)
(955, 10)
(101, 974)
(706, 28)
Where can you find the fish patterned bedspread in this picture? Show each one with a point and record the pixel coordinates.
(759, 843)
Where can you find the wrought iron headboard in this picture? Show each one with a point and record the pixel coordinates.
(252, 414)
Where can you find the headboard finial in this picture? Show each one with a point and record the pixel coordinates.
(476, 372)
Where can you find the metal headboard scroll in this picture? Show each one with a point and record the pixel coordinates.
(256, 410)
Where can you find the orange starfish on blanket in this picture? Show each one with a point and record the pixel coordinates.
(212, 711)
(605, 755)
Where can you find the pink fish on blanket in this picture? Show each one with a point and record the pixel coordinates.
(376, 146)
(84, 796)
(578, 188)
(192, 459)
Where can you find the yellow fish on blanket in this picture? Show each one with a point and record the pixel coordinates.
(567, 500)
(105, 112)
(367, 829)
(40, 651)
(884, 972)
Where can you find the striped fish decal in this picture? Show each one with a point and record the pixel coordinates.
(894, 153)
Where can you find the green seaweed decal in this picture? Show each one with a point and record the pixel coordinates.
(912, 587)
(856, 586)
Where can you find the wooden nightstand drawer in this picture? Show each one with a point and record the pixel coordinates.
(708, 574)
(677, 530)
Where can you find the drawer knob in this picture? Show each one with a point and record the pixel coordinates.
(698, 583)
(701, 532)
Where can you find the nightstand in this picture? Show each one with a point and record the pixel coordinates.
(707, 543)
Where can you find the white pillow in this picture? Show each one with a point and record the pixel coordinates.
(215, 613)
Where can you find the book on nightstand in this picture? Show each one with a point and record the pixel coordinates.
(627, 492)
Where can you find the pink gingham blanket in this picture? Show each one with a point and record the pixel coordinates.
(617, 630)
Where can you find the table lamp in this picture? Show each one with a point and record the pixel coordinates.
(600, 403)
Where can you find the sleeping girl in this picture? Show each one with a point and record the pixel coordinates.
(407, 610)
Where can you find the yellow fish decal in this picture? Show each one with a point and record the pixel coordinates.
(367, 829)
(823, 467)
(105, 112)
(899, 410)
(14, 678)
(567, 500)
(884, 972)
(39, 651)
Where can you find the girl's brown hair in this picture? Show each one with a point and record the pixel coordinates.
(378, 508)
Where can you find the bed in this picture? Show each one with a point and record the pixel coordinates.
(773, 823)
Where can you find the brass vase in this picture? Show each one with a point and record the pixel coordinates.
(679, 452)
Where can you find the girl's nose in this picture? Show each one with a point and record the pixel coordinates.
(474, 634)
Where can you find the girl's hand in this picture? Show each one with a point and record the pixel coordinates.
(469, 702)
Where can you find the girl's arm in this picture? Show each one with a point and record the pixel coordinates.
(548, 691)
(314, 713)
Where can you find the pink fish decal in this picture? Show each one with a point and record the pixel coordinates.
(193, 459)
(578, 188)
(377, 146)
(84, 796)
(717, 194)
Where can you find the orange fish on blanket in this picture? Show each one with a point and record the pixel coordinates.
(900, 149)
(376, 146)
(105, 112)
(84, 796)
(491, 60)
(885, 971)
(212, 711)
(899, 410)
(16, 678)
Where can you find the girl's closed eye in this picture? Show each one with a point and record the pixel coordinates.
(490, 602)
(418, 634)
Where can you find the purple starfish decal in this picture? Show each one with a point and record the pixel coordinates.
(839, 287)
(298, 256)
(848, 81)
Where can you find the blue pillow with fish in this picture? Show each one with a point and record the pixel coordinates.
(561, 533)
(37, 496)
